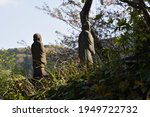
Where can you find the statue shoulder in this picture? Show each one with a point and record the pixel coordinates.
(87, 32)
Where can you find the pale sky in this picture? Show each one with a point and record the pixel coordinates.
(20, 20)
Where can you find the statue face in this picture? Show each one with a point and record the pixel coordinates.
(37, 37)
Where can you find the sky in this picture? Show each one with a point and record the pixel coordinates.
(20, 20)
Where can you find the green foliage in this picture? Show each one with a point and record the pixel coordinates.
(111, 79)
(99, 16)
(7, 60)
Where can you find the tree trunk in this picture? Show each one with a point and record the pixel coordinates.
(84, 14)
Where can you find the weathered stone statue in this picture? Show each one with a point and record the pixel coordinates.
(39, 57)
(86, 45)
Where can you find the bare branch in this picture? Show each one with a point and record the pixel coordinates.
(133, 4)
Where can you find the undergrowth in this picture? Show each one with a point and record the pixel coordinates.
(109, 79)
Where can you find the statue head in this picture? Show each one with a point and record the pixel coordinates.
(86, 26)
(37, 37)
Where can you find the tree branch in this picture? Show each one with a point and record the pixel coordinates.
(141, 6)
(133, 4)
(84, 14)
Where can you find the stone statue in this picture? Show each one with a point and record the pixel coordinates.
(39, 57)
(86, 45)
